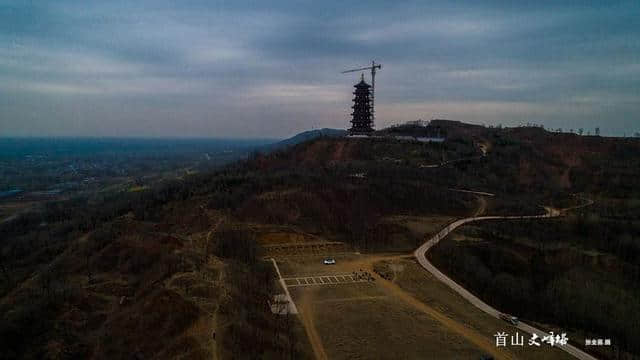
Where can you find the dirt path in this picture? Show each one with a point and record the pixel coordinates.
(306, 314)
(473, 336)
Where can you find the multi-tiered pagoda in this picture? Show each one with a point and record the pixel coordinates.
(362, 122)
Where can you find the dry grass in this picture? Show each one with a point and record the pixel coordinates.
(312, 265)
(282, 238)
(361, 321)
(405, 233)
(365, 321)
(421, 225)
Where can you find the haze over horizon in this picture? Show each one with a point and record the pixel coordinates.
(250, 69)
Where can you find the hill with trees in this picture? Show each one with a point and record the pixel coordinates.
(176, 268)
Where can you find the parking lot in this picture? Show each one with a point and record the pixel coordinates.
(324, 279)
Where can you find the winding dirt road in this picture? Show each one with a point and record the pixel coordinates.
(307, 316)
(420, 255)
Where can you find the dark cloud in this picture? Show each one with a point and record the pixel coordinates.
(254, 68)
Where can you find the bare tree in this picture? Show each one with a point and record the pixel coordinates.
(4, 270)
(87, 259)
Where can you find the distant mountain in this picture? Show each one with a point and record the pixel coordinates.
(306, 136)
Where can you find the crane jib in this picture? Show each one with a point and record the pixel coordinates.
(365, 68)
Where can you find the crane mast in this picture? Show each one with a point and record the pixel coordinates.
(373, 68)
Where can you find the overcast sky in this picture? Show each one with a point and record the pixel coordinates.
(272, 68)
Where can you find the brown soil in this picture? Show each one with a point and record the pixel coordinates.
(307, 315)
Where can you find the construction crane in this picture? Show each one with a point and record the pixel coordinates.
(373, 68)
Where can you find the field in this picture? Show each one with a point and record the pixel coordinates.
(410, 316)
(410, 277)
(366, 320)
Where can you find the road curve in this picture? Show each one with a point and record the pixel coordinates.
(420, 255)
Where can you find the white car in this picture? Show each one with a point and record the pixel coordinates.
(510, 319)
(329, 261)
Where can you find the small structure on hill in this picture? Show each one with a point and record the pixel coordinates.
(281, 305)
(362, 121)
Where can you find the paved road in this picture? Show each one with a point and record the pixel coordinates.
(420, 254)
(482, 193)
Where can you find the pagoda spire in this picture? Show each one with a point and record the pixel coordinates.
(362, 121)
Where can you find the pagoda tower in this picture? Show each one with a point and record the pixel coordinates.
(362, 122)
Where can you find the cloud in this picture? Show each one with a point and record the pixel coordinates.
(150, 86)
(241, 68)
